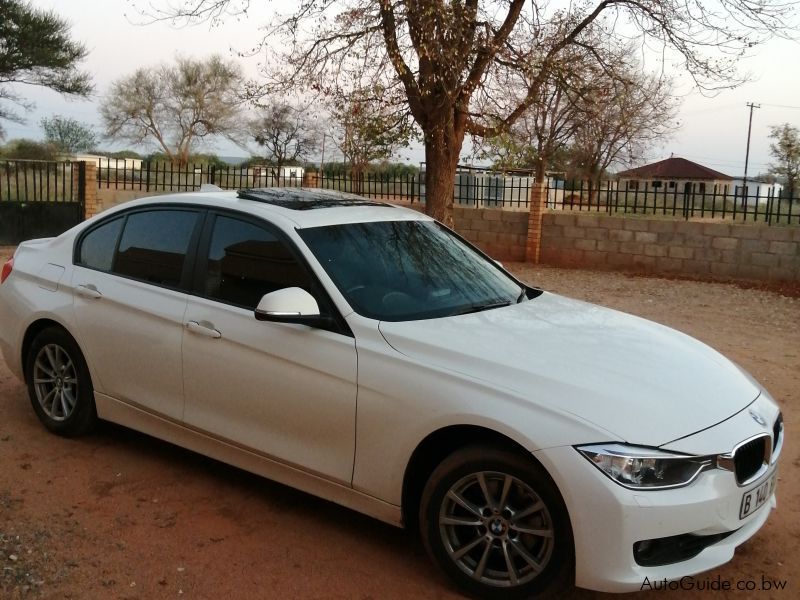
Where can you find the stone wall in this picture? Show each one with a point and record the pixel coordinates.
(501, 234)
(703, 249)
(747, 251)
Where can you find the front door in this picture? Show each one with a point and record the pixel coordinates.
(285, 391)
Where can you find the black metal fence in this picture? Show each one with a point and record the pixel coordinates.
(695, 201)
(146, 176)
(39, 198)
(37, 181)
(474, 188)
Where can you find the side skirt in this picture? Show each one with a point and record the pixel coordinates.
(110, 409)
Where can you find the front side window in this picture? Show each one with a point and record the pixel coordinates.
(154, 245)
(408, 270)
(246, 261)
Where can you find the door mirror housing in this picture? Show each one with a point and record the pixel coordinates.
(289, 305)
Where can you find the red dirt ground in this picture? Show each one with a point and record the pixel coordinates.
(120, 515)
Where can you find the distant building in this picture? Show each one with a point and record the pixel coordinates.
(757, 188)
(676, 176)
(290, 172)
(104, 162)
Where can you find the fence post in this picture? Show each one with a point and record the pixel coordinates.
(147, 185)
(84, 187)
(212, 174)
(538, 198)
(310, 179)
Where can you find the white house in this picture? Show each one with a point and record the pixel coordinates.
(756, 189)
(104, 162)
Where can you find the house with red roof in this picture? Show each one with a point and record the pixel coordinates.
(676, 175)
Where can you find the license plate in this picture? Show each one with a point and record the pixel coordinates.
(755, 498)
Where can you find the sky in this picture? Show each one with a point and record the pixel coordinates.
(712, 131)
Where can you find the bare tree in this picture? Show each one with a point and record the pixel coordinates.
(445, 55)
(176, 105)
(786, 152)
(622, 118)
(286, 133)
(541, 135)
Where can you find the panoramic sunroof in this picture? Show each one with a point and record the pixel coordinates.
(305, 199)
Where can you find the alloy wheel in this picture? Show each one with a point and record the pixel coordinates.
(55, 382)
(496, 529)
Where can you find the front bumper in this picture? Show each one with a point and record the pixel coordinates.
(608, 519)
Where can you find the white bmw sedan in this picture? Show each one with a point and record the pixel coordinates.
(366, 354)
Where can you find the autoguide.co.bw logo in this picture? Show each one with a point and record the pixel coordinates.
(716, 584)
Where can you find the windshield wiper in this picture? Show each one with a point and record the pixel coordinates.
(522, 295)
(480, 307)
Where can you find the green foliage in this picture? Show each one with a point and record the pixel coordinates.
(24, 149)
(386, 169)
(785, 151)
(196, 159)
(36, 49)
(68, 135)
(120, 154)
(370, 125)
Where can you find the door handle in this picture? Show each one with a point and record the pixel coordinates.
(203, 328)
(88, 290)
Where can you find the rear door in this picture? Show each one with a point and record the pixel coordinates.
(129, 284)
(286, 391)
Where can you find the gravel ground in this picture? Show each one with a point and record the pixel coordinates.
(120, 515)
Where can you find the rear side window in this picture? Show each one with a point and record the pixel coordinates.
(154, 245)
(97, 247)
(246, 261)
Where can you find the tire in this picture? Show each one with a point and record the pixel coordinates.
(59, 384)
(488, 546)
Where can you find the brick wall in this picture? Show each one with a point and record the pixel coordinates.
(90, 203)
(501, 234)
(663, 246)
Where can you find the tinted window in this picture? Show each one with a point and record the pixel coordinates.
(406, 270)
(154, 246)
(246, 261)
(97, 247)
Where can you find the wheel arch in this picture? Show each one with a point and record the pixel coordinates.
(434, 448)
(34, 329)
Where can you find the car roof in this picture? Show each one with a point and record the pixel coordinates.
(299, 207)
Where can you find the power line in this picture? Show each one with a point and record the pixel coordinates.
(781, 106)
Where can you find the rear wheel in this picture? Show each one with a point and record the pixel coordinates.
(59, 384)
(495, 523)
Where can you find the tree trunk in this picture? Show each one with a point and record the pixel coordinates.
(442, 149)
(595, 175)
(537, 205)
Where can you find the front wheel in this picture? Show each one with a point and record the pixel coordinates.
(59, 384)
(496, 524)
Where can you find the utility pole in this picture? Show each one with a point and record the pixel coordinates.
(322, 161)
(751, 106)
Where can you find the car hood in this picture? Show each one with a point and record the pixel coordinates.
(646, 383)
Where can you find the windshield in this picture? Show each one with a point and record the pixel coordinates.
(409, 270)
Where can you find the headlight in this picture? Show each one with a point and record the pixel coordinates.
(636, 467)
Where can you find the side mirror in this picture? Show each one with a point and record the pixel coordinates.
(289, 305)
